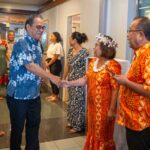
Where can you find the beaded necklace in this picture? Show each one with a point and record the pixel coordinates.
(95, 69)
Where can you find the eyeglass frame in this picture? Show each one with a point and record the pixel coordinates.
(38, 27)
(134, 30)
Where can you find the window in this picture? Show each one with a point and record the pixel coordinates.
(144, 8)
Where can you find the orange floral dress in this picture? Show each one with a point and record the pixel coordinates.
(134, 111)
(100, 86)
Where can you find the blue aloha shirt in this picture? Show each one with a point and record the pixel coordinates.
(24, 85)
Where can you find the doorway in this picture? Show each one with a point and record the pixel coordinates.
(73, 24)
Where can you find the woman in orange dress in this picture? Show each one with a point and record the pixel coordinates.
(102, 94)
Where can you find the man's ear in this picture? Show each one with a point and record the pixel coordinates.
(28, 27)
(141, 35)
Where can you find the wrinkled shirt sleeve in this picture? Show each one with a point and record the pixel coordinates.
(147, 74)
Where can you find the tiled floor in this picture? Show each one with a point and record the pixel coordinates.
(76, 143)
(53, 134)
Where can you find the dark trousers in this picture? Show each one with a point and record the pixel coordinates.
(55, 69)
(28, 113)
(138, 140)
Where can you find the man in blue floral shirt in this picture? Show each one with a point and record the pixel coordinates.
(23, 92)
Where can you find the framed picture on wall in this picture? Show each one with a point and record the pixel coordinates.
(44, 39)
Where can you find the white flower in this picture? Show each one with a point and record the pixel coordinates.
(106, 41)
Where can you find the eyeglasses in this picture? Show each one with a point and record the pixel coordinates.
(40, 27)
(136, 30)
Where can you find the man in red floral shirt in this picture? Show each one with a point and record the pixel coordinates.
(134, 111)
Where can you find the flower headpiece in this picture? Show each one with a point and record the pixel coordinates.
(106, 41)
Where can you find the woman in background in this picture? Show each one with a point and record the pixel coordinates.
(3, 67)
(3, 62)
(75, 68)
(102, 94)
(53, 61)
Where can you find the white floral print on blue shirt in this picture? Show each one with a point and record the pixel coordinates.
(23, 84)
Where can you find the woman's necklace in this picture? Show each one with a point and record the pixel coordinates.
(95, 69)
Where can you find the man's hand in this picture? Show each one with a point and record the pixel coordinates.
(56, 80)
(122, 79)
(65, 83)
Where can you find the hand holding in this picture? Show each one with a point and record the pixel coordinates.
(65, 83)
(56, 80)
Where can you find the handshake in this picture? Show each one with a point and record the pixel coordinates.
(61, 83)
(64, 83)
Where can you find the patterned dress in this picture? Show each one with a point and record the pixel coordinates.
(100, 86)
(76, 106)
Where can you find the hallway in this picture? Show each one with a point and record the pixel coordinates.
(75, 143)
(53, 134)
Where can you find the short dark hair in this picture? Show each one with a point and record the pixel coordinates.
(30, 20)
(107, 51)
(144, 25)
(11, 31)
(80, 37)
(58, 36)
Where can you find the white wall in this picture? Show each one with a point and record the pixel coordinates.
(117, 24)
(57, 17)
(132, 12)
(119, 16)
(51, 16)
(90, 19)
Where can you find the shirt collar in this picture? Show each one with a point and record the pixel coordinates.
(31, 39)
(142, 49)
